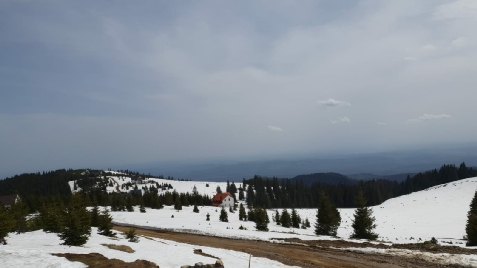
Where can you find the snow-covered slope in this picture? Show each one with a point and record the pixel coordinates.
(34, 249)
(119, 179)
(440, 212)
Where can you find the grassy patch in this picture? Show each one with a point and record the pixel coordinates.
(119, 247)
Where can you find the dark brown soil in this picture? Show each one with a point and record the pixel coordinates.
(424, 247)
(95, 260)
(313, 254)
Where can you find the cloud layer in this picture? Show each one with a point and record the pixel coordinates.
(426, 117)
(274, 128)
(169, 80)
(333, 103)
(343, 119)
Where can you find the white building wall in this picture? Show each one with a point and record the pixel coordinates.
(228, 202)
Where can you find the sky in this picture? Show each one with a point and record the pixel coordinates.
(99, 83)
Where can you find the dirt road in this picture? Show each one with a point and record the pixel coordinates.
(298, 255)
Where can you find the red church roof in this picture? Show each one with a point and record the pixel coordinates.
(218, 198)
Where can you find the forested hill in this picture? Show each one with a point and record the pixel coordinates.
(327, 178)
(275, 193)
(39, 184)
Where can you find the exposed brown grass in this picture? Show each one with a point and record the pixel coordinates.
(119, 247)
(95, 260)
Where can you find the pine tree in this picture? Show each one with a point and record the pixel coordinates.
(307, 223)
(178, 204)
(328, 218)
(142, 209)
(129, 206)
(196, 209)
(277, 217)
(242, 213)
(52, 217)
(251, 214)
(285, 219)
(231, 210)
(95, 216)
(223, 215)
(363, 222)
(295, 219)
(471, 227)
(7, 223)
(131, 235)
(261, 219)
(19, 212)
(77, 226)
(105, 224)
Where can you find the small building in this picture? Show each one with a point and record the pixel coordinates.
(223, 200)
(138, 179)
(9, 200)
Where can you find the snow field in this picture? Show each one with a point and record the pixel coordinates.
(34, 249)
(439, 212)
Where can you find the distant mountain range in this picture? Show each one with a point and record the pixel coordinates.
(389, 165)
(337, 178)
(327, 178)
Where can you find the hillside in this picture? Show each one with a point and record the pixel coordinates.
(394, 177)
(440, 212)
(328, 178)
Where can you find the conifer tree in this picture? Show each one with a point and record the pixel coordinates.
(261, 219)
(19, 212)
(196, 209)
(231, 210)
(208, 217)
(223, 215)
(295, 219)
(307, 223)
(105, 224)
(328, 218)
(52, 217)
(251, 214)
(129, 206)
(131, 235)
(277, 217)
(178, 204)
(242, 213)
(363, 222)
(7, 223)
(77, 226)
(471, 227)
(285, 219)
(95, 216)
(142, 209)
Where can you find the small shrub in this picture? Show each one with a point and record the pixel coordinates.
(131, 235)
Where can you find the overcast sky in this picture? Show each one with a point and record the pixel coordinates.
(100, 83)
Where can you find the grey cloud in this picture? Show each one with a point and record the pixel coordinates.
(333, 103)
(426, 117)
(274, 128)
(343, 119)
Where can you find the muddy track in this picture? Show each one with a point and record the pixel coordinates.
(289, 254)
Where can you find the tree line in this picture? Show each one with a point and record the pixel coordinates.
(276, 193)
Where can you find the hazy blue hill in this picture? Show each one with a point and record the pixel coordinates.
(328, 178)
(369, 176)
(394, 165)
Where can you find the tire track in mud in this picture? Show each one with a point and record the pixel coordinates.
(291, 254)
